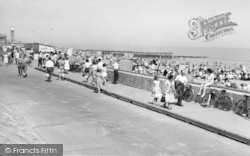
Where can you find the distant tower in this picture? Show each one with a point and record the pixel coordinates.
(12, 34)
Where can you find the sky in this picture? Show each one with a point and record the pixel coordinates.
(121, 24)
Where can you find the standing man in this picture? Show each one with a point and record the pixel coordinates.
(49, 65)
(116, 73)
(40, 60)
(180, 83)
(19, 64)
(16, 56)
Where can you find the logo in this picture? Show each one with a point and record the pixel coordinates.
(7, 150)
(211, 28)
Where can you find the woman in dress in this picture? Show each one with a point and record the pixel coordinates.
(156, 90)
(94, 71)
(98, 76)
(66, 65)
(170, 91)
(61, 64)
(86, 69)
(5, 59)
(104, 74)
(209, 81)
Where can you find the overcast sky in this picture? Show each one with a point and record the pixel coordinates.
(106, 23)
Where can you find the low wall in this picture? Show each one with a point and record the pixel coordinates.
(146, 82)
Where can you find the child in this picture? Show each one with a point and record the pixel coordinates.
(156, 90)
(170, 91)
(98, 80)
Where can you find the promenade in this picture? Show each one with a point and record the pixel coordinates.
(60, 112)
(222, 122)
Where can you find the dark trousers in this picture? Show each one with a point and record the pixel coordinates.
(22, 69)
(49, 70)
(19, 70)
(116, 76)
(179, 91)
(40, 62)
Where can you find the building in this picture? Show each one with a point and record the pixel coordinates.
(3, 39)
(38, 47)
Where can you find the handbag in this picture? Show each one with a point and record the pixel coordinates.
(163, 98)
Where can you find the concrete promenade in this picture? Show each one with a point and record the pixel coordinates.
(222, 122)
(61, 112)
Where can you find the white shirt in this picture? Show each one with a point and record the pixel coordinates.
(210, 78)
(87, 64)
(94, 67)
(181, 78)
(100, 65)
(17, 55)
(49, 63)
(54, 57)
(116, 66)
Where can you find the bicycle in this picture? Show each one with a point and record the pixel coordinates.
(188, 92)
(242, 107)
(222, 101)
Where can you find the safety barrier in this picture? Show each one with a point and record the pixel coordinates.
(146, 82)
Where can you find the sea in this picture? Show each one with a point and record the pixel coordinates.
(227, 55)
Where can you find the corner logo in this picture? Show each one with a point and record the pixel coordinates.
(211, 28)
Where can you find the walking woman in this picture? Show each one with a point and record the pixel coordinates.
(5, 59)
(61, 63)
(104, 74)
(67, 66)
(86, 69)
(156, 90)
(92, 72)
(25, 60)
(98, 80)
(170, 91)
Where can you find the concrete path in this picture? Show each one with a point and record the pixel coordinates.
(221, 122)
(87, 124)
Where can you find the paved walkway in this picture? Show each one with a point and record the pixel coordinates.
(225, 123)
(88, 124)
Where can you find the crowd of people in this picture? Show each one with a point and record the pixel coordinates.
(95, 66)
(90, 65)
(19, 57)
(223, 73)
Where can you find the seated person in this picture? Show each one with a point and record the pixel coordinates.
(209, 81)
(219, 82)
(227, 83)
(245, 87)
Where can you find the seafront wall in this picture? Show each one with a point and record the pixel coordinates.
(145, 82)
